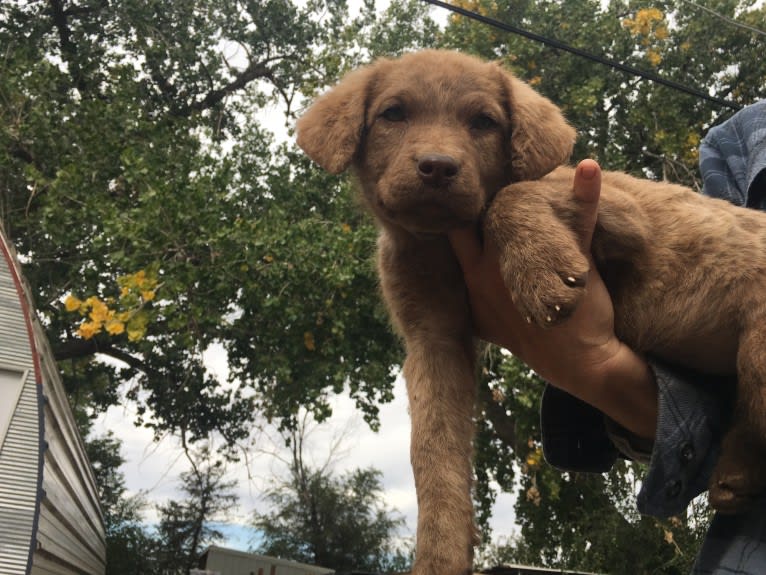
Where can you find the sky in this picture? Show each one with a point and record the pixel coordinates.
(153, 468)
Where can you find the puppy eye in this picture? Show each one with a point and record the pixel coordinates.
(394, 114)
(483, 122)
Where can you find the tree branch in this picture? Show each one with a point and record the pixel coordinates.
(254, 71)
(79, 348)
(68, 48)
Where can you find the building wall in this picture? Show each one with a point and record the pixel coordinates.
(232, 562)
(70, 536)
(53, 517)
(20, 464)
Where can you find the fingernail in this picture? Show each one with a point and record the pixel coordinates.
(588, 171)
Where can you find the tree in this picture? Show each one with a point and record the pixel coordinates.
(128, 544)
(135, 178)
(156, 218)
(572, 520)
(337, 522)
(625, 122)
(185, 526)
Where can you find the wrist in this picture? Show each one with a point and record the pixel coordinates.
(625, 390)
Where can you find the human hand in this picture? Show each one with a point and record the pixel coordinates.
(582, 355)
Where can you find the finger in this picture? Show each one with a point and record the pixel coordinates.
(587, 189)
(467, 247)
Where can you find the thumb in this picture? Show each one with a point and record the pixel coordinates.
(587, 189)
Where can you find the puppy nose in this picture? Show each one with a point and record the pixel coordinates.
(437, 169)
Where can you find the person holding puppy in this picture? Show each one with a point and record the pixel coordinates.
(656, 413)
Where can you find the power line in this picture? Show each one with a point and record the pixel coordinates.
(583, 54)
(726, 19)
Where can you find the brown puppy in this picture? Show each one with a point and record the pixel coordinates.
(436, 139)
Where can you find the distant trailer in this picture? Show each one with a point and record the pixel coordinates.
(50, 518)
(222, 561)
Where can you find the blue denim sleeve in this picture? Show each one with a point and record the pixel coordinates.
(691, 408)
(691, 419)
(574, 434)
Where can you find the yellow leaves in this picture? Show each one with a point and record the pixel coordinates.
(127, 314)
(114, 327)
(533, 495)
(71, 303)
(136, 326)
(668, 536)
(483, 8)
(308, 341)
(653, 57)
(345, 228)
(88, 329)
(693, 139)
(475, 32)
(650, 28)
(137, 283)
(644, 22)
(99, 311)
(692, 147)
(534, 458)
(531, 465)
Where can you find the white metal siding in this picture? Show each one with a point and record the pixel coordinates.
(61, 515)
(20, 452)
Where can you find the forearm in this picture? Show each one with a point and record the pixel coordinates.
(625, 390)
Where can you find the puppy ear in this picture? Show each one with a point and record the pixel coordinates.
(541, 139)
(330, 131)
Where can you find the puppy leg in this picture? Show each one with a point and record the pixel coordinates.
(441, 393)
(542, 264)
(740, 473)
(424, 290)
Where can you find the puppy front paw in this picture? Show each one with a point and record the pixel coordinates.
(542, 294)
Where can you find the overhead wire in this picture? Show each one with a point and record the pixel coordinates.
(553, 43)
(726, 19)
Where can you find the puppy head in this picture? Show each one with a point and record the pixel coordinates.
(434, 135)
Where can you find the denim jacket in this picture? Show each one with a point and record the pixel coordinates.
(692, 408)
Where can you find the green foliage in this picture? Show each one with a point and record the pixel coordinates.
(186, 525)
(336, 522)
(185, 528)
(128, 544)
(624, 122)
(127, 143)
